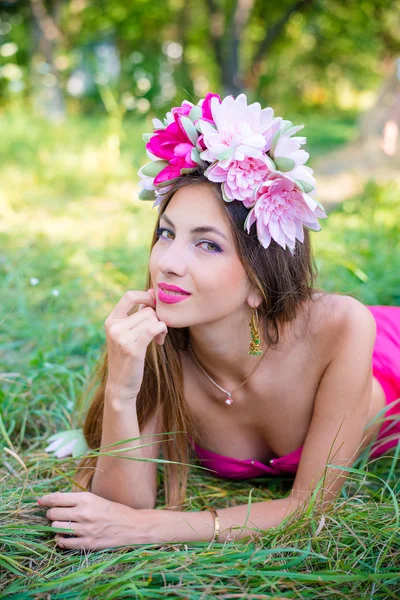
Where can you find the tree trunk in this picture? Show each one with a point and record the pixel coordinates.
(48, 96)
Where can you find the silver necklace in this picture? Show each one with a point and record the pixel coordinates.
(228, 400)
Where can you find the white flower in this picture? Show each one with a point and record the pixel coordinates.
(55, 293)
(67, 442)
(34, 281)
(240, 130)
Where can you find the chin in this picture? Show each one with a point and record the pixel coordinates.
(171, 321)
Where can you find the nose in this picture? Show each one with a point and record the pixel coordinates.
(173, 259)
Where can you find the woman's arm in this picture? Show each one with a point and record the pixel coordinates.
(341, 406)
(334, 437)
(236, 522)
(130, 482)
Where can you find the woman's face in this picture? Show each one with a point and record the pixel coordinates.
(203, 263)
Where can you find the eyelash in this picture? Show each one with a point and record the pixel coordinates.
(218, 249)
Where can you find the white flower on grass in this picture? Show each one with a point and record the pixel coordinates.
(67, 442)
(34, 280)
(55, 293)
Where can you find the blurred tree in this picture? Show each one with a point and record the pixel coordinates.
(47, 39)
(297, 53)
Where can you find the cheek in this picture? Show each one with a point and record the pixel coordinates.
(228, 281)
(153, 261)
(232, 275)
(210, 277)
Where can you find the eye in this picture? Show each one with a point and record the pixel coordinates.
(161, 230)
(217, 248)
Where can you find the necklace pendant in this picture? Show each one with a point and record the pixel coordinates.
(228, 400)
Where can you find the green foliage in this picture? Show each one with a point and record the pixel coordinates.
(303, 59)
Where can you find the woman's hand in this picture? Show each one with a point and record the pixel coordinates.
(128, 336)
(97, 523)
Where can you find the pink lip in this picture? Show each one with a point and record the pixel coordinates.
(172, 288)
(171, 298)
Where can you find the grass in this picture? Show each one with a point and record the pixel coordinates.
(73, 239)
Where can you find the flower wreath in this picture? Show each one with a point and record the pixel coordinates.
(246, 149)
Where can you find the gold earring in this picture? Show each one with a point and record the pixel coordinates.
(255, 348)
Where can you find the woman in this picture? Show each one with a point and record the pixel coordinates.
(293, 393)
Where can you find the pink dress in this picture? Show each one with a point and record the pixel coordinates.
(385, 367)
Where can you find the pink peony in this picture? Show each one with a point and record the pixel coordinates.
(240, 179)
(281, 211)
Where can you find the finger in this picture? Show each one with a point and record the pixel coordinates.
(152, 295)
(145, 334)
(133, 320)
(129, 300)
(72, 529)
(71, 543)
(61, 514)
(61, 499)
(160, 338)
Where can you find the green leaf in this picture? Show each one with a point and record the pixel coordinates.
(225, 197)
(147, 136)
(270, 163)
(284, 164)
(146, 195)
(168, 182)
(153, 168)
(224, 154)
(190, 129)
(287, 125)
(307, 187)
(246, 221)
(195, 113)
(186, 171)
(319, 204)
(274, 142)
(195, 156)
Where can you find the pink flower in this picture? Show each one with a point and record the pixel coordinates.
(173, 145)
(289, 157)
(289, 147)
(240, 131)
(281, 211)
(184, 109)
(254, 155)
(240, 179)
(206, 106)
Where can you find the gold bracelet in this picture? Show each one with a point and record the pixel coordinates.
(216, 523)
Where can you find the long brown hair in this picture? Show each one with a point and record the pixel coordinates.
(284, 281)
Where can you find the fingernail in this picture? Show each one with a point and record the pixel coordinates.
(38, 502)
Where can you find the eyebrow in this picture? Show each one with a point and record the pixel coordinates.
(200, 229)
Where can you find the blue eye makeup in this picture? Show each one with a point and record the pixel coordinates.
(160, 230)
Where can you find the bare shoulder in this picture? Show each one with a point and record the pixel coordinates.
(334, 315)
(354, 314)
(343, 314)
